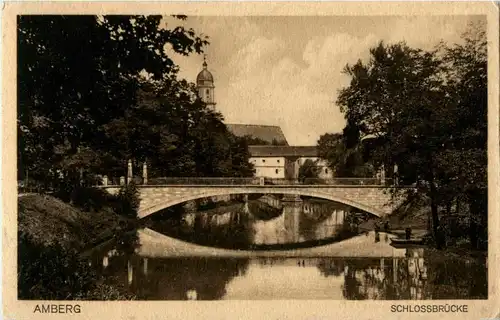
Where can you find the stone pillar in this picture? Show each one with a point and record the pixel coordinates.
(129, 171)
(105, 180)
(122, 180)
(145, 267)
(382, 174)
(261, 181)
(81, 176)
(396, 179)
(145, 173)
(130, 271)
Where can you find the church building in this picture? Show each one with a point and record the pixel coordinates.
(272, 157)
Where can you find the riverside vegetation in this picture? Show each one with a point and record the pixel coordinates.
(53, 234)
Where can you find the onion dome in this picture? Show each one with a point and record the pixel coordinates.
(204, 78)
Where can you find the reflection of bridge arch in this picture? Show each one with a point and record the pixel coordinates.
(371, 199)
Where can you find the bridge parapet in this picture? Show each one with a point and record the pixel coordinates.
(215, 181)
(372, 199)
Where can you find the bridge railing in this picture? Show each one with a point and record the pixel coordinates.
(345, 181)
(331, 181)
(203, 181)
(263, 181)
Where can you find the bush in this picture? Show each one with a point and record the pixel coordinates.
(51, 272)
(54, 273)
(127, 201)
(89, 198)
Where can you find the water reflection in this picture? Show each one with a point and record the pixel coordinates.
(416, 276)
(258, 221)
(368, 267)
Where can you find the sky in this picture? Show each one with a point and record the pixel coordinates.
(287, 71)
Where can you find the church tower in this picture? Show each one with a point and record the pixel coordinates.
(205, 85)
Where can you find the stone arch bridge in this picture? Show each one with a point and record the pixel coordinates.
(374, 199)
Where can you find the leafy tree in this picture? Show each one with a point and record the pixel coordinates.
(176, 134)
(114, 95)
(425, 112)
(465, 160)
(76, 74)
(346, 159)
(128, 201)
(308, 170)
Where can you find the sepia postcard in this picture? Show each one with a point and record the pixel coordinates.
(250, 160)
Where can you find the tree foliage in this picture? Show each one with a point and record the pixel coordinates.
(344, 158)
(308, 170)
(95, 91)
(424, 111)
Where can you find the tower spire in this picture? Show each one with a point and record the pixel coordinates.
(205, 85)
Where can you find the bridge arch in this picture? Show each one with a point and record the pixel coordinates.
(200, 193)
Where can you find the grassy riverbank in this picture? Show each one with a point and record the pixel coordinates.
(48, 220)
(52, 234)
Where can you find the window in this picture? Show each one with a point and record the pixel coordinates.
(326, 170)
(208, 92)
(263, 160)
(277, 171)
(278, 161)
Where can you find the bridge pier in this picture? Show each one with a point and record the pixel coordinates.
(292, 221)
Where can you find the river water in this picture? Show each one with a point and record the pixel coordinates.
(282, 250)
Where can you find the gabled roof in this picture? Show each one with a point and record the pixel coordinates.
(283, 151)
(263, 132)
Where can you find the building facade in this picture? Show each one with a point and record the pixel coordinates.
(276, 159)
(285, 161)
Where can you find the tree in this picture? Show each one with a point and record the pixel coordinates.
(465, 159)
(345, 158)
(425, 112)
(176, 133)
(78, 73)
(308, 170)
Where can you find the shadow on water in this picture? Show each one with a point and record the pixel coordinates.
(411, 278)
(174, 279)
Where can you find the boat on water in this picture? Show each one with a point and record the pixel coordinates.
(404, 243)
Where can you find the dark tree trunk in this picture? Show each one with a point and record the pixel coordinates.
(436, 232)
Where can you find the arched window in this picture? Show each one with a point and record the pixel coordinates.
(277, 171)
(326, 171)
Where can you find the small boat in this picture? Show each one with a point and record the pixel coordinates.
(402, 243)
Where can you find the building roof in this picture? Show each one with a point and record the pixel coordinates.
(204, 76)
(283, 151)
(263, 132)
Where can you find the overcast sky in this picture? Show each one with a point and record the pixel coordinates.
(286, 71)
